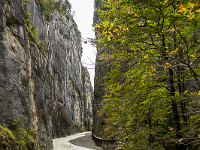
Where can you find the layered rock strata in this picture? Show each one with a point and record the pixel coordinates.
(49, 91)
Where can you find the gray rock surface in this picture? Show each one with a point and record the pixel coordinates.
(100, 73)
(51, 93)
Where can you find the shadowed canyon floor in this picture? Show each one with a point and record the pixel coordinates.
(79, 141)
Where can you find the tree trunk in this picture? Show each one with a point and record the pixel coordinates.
(181, 87)
(174, 105)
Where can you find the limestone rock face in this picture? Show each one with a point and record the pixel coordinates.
(100, 73)
(50, 91)
(88, 100)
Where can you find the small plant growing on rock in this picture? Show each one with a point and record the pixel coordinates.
(17, 137)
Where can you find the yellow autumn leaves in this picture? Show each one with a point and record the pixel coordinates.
(165, 2)
(152, 69)
(167, 65)
(133, 14)
(186, 92)
(146, 56)
(110, 29)
(189, 10)
(170, 128)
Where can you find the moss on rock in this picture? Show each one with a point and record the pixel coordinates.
(17, 139)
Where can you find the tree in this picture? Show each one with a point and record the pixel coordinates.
(151, 51)
(67, 5)
(48, 7)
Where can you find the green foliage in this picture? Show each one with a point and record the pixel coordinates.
(29, 26)
(32, 31)
(18, 138)
(48, 7)
(6, 137)
(50, 71)
(33, 56)
(150, 50)
(81, 128)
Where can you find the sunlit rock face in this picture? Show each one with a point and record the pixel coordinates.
(50, 91)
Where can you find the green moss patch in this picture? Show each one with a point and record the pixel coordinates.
(17, 139)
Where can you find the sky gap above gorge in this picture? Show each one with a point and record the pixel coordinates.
(82, 12)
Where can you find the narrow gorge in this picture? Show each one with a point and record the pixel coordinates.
(147, 75)
(44, 89)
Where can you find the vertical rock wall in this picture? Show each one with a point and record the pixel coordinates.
(100, 72)
(88, 99)
(50, 91)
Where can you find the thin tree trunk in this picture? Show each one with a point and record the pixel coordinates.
(181, 87)
(174, 104)
(172, 92)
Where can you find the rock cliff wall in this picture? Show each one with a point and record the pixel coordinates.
(98, 121)
(47, 89)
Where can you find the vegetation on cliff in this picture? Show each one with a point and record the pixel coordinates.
(32, 31)
(48, 7)
(150, 50)
(18, 138)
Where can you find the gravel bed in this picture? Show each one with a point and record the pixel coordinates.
(85, 141)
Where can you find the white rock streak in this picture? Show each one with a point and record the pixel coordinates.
(64, 144)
